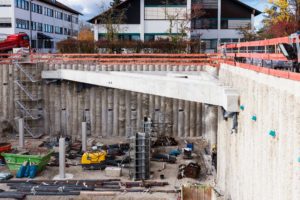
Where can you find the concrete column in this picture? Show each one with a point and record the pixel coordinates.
(83, 136)
(180, 122)
(21, 132)
(199, 115)
(128, 113)
(211, 124)
(96, 31)
(189, 14)
(219, 20)
(175, 117)
(186, 119)
(115, 112)
(142, 20)
(62, 164)
(252, 22)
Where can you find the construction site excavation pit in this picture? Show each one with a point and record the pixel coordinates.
(140, 143)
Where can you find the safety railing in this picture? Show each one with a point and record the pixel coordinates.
(277, 57)
(176, 59)
(183, 59)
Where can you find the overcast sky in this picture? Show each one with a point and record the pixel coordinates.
(91, 8)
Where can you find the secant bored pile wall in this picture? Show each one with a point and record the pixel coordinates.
(111, 112)
(260, 161)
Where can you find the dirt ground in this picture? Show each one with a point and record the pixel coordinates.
(170, 173)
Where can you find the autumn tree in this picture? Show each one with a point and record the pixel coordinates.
(85, 33)
(280, 19)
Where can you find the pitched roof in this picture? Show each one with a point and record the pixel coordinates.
(60, 5)
(256, 12)
(97, 16)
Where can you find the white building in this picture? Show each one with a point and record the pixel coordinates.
(46, 23)
(152, 19)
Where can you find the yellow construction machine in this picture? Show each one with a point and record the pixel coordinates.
(94, 160)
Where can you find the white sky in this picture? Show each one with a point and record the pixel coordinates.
(91, 8)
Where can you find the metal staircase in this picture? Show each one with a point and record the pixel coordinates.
(28, 97)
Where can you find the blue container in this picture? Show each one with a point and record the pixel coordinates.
(190, 146)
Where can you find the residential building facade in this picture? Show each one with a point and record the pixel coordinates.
(45, 21)
(152, 19)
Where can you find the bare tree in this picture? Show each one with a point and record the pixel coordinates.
(111, 19)
(295, 4)
(247, 33)
(182, 20)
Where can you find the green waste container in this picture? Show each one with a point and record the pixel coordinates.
(14, 161)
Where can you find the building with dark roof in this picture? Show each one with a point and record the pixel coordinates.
(45, 21)
(153, 19)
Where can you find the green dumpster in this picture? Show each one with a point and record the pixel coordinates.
(14, 161)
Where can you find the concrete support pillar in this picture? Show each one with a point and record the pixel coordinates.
(21, 132)
(142, 20)
(211, 124)
(83, 136)
(219, 20)
(62, 156)
(252, 22)
(189, 13)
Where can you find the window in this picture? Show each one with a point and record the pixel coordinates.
(58, 15)
(5, 25)
(74, 20)
(58, 30)
(149, 37)
(48, 44)
(165, 13)
(224, 24)
(5, 3)
(33, 26)
(36, 8)
(23, 4)
(22, 24)
(48, 12)
(67, 31)
(68, 17)
(48, 28)
(211, 44)
(39, 27)
(205, 23)
(129, 36)
(163, 2)
(5, 22)
(33, 43)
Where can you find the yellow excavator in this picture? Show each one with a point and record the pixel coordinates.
(94, 160)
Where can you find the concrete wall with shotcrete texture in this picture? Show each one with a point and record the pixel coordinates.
(252, 164)
(111, 112)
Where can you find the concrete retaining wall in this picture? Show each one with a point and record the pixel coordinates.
(111, 112)
(251, 163)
